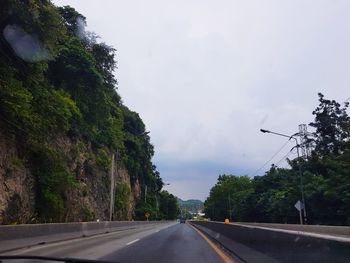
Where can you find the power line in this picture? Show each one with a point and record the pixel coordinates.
(273, 156)
(284, 157)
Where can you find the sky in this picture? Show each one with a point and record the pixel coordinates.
(205, 76)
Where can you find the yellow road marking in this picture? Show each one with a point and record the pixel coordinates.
(224, 257)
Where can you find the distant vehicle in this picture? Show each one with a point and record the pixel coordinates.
(182, 220)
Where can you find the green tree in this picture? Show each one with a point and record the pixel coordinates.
(332, 125)
(271, 197)
(228, 197)
(168, 206)
(274, 196)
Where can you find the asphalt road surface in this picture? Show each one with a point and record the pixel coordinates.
(179, 243)
(171, 242)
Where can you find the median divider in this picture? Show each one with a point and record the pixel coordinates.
(341, 231)
(14, 237)
(253, 243)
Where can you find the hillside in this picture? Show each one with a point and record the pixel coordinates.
(191, 205)
(63, 125)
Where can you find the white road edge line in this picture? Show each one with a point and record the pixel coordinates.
(132, 242)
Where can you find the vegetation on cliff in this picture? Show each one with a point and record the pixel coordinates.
(57, 84)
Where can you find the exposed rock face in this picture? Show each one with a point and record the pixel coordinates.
(17, 196)
(88, 200)
(126, 194)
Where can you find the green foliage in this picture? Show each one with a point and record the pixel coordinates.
(88, 214)
(168, 206)
(69, 94)
(146, 207)
(18, 163)
(186, 214)
(274, 196)
(105, 63)
(15, 100)
(190, 205)
(332, 125)
(77, 148)
(122, 198)
(271, 198)
(189, 208)
(227, 197)
(55, 111)
(328, 195)
(103, 159)
(50, 168)
(39, 18)
(72, 19)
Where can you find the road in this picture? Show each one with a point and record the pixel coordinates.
(179, 243)
(172, 242)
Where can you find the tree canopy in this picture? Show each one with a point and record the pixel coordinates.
(271, 197)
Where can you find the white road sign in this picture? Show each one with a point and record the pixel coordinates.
(299, 205)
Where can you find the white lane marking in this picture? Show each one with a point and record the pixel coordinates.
(132, 242)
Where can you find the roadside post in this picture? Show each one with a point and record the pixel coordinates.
(147, 215)
(299, 206)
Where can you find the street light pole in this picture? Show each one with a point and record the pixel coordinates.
(143, 134)
(301, 183)
(229, 204)
(300, 171)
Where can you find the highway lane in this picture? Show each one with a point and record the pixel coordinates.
(171, 242)
(92, 247)
(178, 243)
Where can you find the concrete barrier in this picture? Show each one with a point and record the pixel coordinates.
(319, 229)
(20, 236)
(261, 244)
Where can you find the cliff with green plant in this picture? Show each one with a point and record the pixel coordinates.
(62, 120)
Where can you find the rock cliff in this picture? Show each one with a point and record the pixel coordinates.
(87, 200)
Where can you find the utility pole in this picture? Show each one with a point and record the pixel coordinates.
(301, 186)
(145, 193)
(229, 207)
(304, 143)
(157, 207)
(297, 145)
(167, 208)
(306, 152)
(111, 206)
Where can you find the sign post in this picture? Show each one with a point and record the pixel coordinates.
(299, 206)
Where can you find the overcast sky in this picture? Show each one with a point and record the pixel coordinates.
(205, 76)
